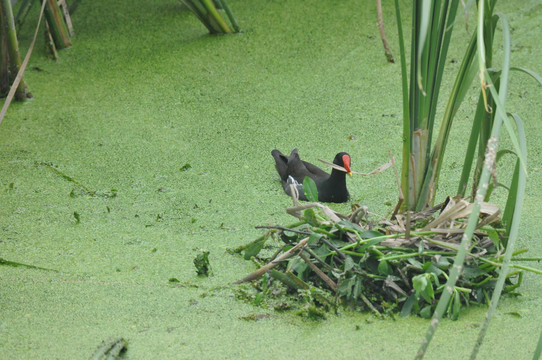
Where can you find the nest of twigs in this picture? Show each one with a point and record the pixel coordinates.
(382, 265)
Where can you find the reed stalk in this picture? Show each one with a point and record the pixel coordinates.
(213, 12)
(207, 11)
(432, 24)
(199, 10)
(9, 37)
(233, 21)
(387, 50)
(57, 25)
(18, 79)
(4, 58)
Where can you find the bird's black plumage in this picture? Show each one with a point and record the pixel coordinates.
(293, 170)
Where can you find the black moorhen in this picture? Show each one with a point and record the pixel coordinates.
(331, 187)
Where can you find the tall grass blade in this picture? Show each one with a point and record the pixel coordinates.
(441, 45)
(228, 11)
(513, 234)
(508, 125)
(9, 35)
(198, 10)
(489, 162)
(509, 208)
(459, 260)
(23, 11)
(470, 154)
(462, 84)
(487, 83)
(207, 12)
(431, 34)
(210, 6)
(425, 11)
(482, 53)
(405, 183)
(57, 25)
(538, 350)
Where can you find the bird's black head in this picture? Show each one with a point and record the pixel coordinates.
(343, 159)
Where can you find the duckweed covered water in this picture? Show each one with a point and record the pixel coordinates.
(179, 126)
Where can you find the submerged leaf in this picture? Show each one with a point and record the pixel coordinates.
(77, 217)
(514, 314)
(202, 264)
(255, 247)
(110, 350)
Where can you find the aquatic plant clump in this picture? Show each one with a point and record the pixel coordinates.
(209, 12)
(380, 265)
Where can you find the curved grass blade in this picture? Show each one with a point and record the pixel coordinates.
(509, 208)
(470, 154)
(528, 72)
(490, 157)
(18, 264)
(198, 10)
(538, 350)
(465, 241)
(508, 125)
(513, 234)
(233, 21)
(488, 83)
(216, 15)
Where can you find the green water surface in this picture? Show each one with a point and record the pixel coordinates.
(179, 125)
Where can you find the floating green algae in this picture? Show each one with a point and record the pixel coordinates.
(144, 91)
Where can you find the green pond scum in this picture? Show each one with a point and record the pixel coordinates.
(146, 99)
